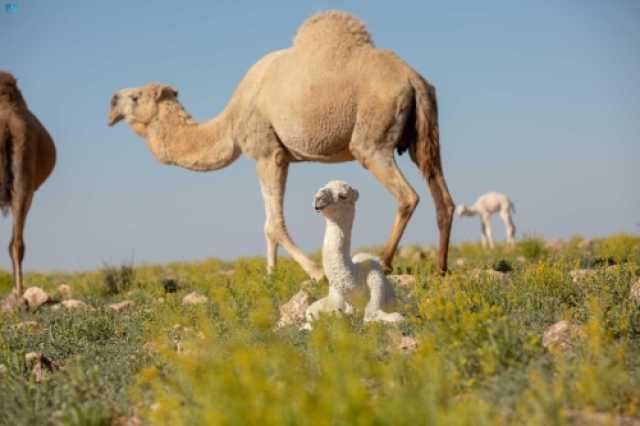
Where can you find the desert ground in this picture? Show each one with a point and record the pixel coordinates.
(547, 332)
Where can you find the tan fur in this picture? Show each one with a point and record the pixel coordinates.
(27, 158)
(332, 97)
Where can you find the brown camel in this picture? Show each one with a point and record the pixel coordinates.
(331, 97)
(27, 158)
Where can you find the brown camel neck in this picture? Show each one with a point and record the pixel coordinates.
(175, 138)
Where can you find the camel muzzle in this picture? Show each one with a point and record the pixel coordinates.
(114, 117)
(320, 203)
(114, 114)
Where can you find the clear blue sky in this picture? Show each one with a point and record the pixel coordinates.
(540, 100)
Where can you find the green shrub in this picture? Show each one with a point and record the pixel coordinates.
(502, 266)
(117, 279)
(532, 247)
(619, 248)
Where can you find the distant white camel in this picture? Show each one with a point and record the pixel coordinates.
(347, 276)
(487, 205)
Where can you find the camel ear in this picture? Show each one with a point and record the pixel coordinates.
(356, 195)
(166, 92)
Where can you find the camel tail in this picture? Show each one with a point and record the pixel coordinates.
(512, 207)
(6, 172)
(424, 148)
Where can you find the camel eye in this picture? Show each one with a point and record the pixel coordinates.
(134, 98)
(342, 196)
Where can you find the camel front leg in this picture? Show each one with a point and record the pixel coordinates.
(483, 235)
(328, 305)
(272, 172)
(486, 230)
(20, 208)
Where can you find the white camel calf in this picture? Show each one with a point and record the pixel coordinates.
(487, 205)
(347, 276)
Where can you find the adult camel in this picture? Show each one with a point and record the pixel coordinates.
(331, 97)
(27, 158)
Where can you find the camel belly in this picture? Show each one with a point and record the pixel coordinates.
(323, 157)
(314, 118)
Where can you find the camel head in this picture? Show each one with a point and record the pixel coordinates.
(463, 210)
(9, 91)
(334, 198)
(139, 106)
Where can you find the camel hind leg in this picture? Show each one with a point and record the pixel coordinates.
(376, 134)
(381, 295)
(509, 226)
(383, 166)
(444, 213)
(20, 209)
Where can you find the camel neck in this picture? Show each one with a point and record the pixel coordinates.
(174, 138)
(336, 252)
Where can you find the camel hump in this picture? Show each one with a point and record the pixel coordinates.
(332, 28)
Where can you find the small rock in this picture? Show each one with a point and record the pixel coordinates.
(634, 292)
(121, 305)
(3, 370)
(292, 312)
(402, 280)
(401, 342)
(74, 304)
(561, 334)
(194, 298)
(70, 304)
(64, 291)
(35, 297)
(521, 259)
(12, 302)
(460, 261)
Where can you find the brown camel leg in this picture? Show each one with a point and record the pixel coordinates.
(383, 166)
(20, 208)
(272, 173)
(444, 214)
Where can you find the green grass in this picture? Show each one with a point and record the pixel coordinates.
(479, 360)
